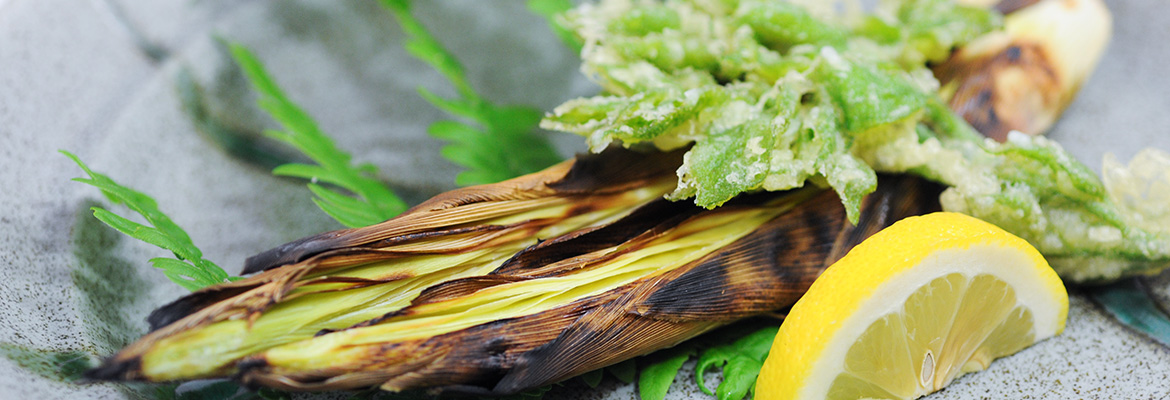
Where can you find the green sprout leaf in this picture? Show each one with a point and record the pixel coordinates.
(593, 378)
(741, 362)
(188, 268)
(655, 378)
(374, 202)
(500, 142)
(552, 10)
(624, 371)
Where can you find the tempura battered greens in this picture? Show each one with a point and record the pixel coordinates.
(769, 94)
(772, 97)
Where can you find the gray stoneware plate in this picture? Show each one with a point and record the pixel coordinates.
(100, 78)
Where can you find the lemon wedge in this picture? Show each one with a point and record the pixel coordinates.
(910, 309)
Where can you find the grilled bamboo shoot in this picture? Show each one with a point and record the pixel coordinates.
(659, 274)
(1023, 77)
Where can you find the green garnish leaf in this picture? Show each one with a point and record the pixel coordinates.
(188, 268)
(593, 378)
(740, 361)
(782, 25)
(624, 371)
(872, 98)
(501, 142)
(551, 10)
(655, 378)
(929, 29)
(374, 202)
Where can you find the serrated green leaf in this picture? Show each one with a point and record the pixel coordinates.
(655, 377)
(180, 268)
(739, 168)
(551, 10)
(593, 378)
(306, 171)
(129, 227)
(932, 28)
(782, 25)
(341, 216)
(869, 97)
(1083, 182)
(740, 361)
(739, 378)
(188, 269)
(341, 202)
(147, 234)
(503, 142)
(377, 202)
(625, 371)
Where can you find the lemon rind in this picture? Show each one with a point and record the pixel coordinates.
(983, 258)
(814, 323)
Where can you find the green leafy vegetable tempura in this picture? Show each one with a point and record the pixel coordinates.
(771, 95)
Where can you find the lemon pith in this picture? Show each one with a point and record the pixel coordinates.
(911, 308)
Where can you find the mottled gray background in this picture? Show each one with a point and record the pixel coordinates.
(98, 78)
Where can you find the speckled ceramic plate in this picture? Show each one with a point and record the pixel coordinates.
(106, 79)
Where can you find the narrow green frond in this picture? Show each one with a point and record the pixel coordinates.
(624, 371)
(377, 202)
(344, 209)
(315, 174)
(147, 234)
(654, 379)
(740, 362)
(551, 10)
(338, 200)
(456, 107)
(188, 269)
(181, 272)
(506, 140)
(593, 378)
